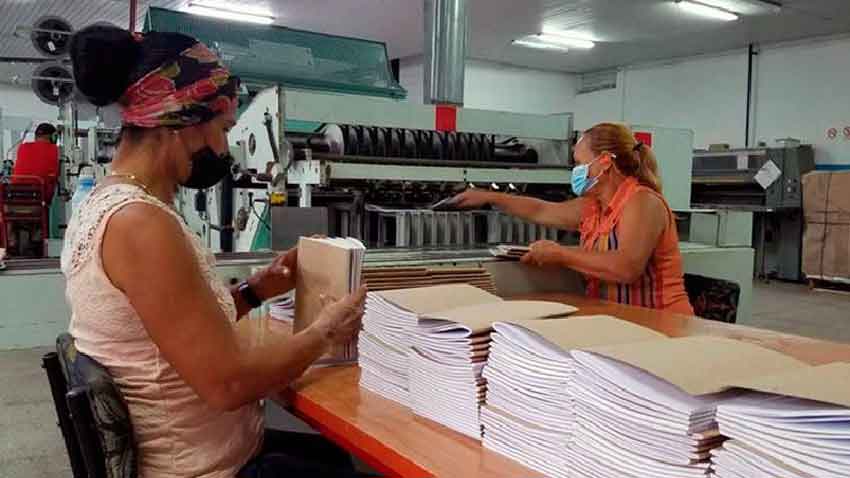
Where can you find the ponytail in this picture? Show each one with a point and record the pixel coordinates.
(647, 170)
(630, 157)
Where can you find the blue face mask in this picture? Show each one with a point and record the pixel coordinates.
(579, 180)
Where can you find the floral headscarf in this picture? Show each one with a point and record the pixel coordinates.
(192, 89)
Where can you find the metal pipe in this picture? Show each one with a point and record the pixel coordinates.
(446, 40)
(133, 9)
(751, 53)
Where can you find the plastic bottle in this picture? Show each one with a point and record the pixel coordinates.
(84, 186)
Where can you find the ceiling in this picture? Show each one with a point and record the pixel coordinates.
(627, 31)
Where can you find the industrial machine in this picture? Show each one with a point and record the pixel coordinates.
(768, 183)
(325, 142)
(371, 167)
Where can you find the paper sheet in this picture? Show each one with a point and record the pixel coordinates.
(768, 174)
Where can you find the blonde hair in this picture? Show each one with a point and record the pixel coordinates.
(631, 158)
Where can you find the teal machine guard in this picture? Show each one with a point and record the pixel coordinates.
(264, 56)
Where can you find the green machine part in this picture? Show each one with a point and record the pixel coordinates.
(263, 238)
(264, 56)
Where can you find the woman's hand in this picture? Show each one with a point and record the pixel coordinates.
(471, 199)
(339, 321)
(544, 253)
(278, 277)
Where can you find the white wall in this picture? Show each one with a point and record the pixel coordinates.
(705, 95)
(495, 86)
(692, 95)
(801, 91)
(20, 101)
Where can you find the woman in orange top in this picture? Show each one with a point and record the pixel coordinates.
(629, 249)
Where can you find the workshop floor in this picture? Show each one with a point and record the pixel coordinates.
(31, 446)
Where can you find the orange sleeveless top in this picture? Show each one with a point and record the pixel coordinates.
(662, 284)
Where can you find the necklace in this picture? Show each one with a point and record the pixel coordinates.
(131, 177)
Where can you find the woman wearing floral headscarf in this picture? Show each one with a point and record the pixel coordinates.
(143, 291)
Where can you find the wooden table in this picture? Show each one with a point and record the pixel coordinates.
(396, 442)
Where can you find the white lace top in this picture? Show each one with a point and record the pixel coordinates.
(177, 432)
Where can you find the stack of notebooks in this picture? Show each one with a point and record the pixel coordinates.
(330, 267)
(389, 323)
(799, 429)
(648, 408)
(389, 278)
(450, 349)
(529, 415)
(512, 252)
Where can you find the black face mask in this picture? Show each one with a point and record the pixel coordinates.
(208, 168)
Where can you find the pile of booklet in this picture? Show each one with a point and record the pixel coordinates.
(596, 396)
(388, 326)
(506, 251)
(529, 415)
(329, 267)
(648, 408)
(801, 429)
(389, 278)
(450, 349)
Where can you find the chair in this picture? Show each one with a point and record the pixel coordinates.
(713, 299)
(93, 416)
(24, 216)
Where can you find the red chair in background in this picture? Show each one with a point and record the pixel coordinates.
(24, 216)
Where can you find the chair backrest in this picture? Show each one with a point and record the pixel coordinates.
(713, 299)
(58, 389)
(99, 415)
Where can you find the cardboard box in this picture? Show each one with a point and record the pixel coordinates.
(826, 240)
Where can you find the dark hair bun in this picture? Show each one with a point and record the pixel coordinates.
(104, 57)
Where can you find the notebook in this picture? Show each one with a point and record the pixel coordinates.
(649, 408)
(799, 428)
(450, 350)
(389, 324)
(529, 414)
(331, 267)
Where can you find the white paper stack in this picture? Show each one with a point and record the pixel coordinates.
(388, 325)
(786, 436)
(648, 409)
(383, 346)
(529, 415)
(450, 350)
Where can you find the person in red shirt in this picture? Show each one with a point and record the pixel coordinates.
(40, 158)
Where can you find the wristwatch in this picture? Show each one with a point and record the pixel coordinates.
(249, 295)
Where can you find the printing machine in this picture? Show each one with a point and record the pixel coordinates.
(729, 180)
(370, 167)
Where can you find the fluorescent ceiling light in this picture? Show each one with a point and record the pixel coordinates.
(566, 41)
(706, 10)
(226, 11)
(533, 42)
